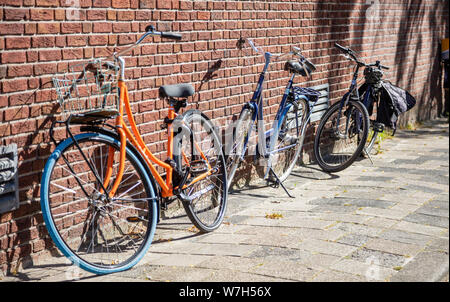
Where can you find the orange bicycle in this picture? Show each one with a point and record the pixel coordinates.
(101, 191)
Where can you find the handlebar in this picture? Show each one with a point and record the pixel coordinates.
(295, 50)
(352, 55)
(150, 31)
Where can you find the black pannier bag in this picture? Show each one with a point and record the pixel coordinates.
(393, 101)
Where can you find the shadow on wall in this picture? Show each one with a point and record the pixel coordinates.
(411, 39)
(20, 243)
(408, 57)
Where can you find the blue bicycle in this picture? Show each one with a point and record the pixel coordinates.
(280, 146)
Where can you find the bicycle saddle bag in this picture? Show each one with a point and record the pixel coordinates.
(393, 102)
(295, 67)
(401, 99)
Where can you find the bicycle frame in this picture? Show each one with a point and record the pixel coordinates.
(257, 106)
(134, 136)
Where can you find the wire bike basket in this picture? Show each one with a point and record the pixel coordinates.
(88, 91)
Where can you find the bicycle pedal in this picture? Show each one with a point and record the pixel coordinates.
(379, 127)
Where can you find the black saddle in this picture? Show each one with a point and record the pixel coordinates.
(177, 91)
(296, 67)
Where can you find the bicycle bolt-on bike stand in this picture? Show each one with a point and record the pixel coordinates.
(277, 182)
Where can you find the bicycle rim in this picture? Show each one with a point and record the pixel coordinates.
(99, 235)
(205, 200)
(341, 136)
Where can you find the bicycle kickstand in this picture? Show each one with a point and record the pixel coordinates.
(368, 155)
(278, 182)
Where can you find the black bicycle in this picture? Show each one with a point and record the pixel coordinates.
(344, 128)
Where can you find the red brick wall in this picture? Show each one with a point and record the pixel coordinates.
(38, 38)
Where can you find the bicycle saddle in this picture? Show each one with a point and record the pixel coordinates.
(177, 91)
(296, 67)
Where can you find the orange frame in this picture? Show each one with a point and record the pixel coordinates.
(135, 138)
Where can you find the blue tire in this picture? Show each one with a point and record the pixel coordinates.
(99, 209)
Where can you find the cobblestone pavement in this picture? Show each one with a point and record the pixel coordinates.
(386, 221)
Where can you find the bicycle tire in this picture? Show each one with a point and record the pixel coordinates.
(144, 206)
(235, 150)
(324, 153)
(207, 215)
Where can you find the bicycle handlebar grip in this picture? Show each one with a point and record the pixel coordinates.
(173, 36)
(384, 67)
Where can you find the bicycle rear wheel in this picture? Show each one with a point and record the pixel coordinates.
(341, 136)
(198, 148)
(99, 234)
(236, 148)
(289, 141)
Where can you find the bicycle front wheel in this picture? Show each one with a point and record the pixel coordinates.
(197, 147)
(341, 136)
(98, 233)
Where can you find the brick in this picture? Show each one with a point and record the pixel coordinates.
(18, 42)
(14, 85)
(48, 28)
(13, 57)
(43, 42)
(102, 27)
(47, 2)
(16, 14)
(41, 14)
(20, 70)
(120, 3)
(11, 29)
(49, 55)
(71, 28)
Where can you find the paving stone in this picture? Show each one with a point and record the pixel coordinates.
(439, 244)
(375, 178)
(368, 270)
(358, 229)
(380, 222)
(419, 228)
(284, 269)
(354, 239)
(427, 266)
(266, 251)
(423, 188)
(242, 264)
(383, 258)
(428, 220)
(326, 247)
(393, 247)
(334, 209)
(386, 213)
(233, 276)
(338, 201)
(434, 208)
(337, 276)
(406, 237)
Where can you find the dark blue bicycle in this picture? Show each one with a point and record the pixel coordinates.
(343, 131)
(280, 146)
